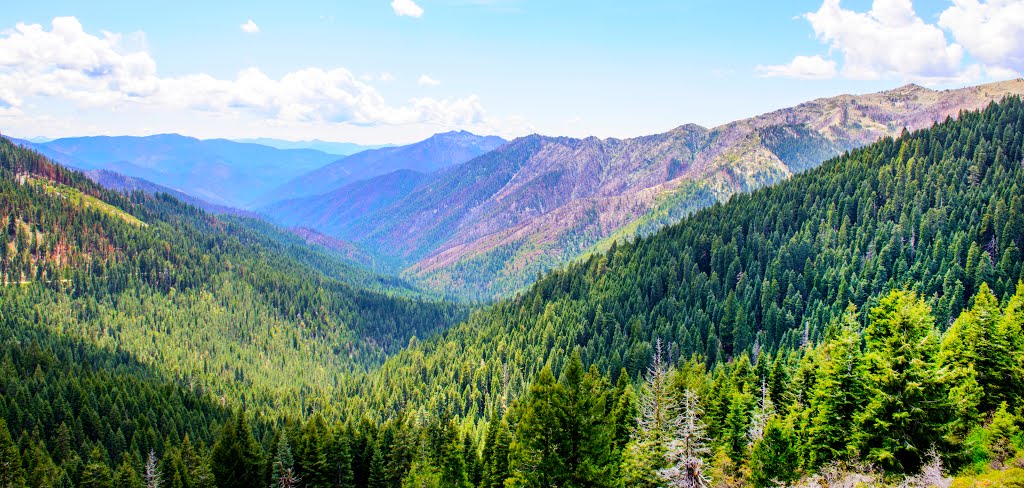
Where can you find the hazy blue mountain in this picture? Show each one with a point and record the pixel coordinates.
(117, 181)
(218, 171)
(338, 148)
(436, 152)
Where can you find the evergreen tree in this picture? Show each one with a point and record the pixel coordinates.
(837, 395)
(624, 411)
(96, 474)
(907, 410)
(1001, 433)
(586, 435)
(495, 459)
(127, 477)
(976, 341)
(197, 471)
(451, 459)
(534, 459)
(423, 475)
(645, 454)
(474, 467)
(1011, 329)
(686, 453)
(12, 474)
(236, 457)
(773, 459)
(341, 458)
(283, 469)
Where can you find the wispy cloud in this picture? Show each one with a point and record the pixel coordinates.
(406, 8)
(801, 67)
(250, 27)
(426, 80)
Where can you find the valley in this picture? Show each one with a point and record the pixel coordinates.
(512, 244)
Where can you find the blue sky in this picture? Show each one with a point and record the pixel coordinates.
(380, 71)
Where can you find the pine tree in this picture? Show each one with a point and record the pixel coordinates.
(644, 455)
(686, 453)
(236, 457)
(126, 477)
(1001, 433)
(907, 410)
(534, 459)
(837, 395)
(152, 471)
(96, 474)
(773, 458)
(12, 474)
(283, 469)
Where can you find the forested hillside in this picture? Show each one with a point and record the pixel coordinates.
(485, 228)
(939, 212)
(756, 283)
(860, 322)
(235, 305)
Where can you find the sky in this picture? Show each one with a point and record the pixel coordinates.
(397, 71)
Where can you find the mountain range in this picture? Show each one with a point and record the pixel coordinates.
(489, 225)
(337, 148)
(435, 153)
(859, 322)
(218, 171)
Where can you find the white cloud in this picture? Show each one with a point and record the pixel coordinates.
(802, 67)
(406, 8)
(386, 77)
(993, 32)
(426, 80)
(250, 27)
(100, 72)
(890, 40)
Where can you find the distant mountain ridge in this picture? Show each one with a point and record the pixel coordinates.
(488, 226)
(434, 153)
(218, 171)
(337, 148)
(127, 184)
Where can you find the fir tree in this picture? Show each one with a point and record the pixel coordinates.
(586, 436)
(837, 395)
(96, 474)
(495, 459)
(534, 459)
(645, 453)
(127, 477)
(283, 469)
(236, 457)
(773, 458)
(1001, 433)
(687, 452)
(151, 471)
(12, 474)
(907, 410)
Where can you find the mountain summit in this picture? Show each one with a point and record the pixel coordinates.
(488, 226)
